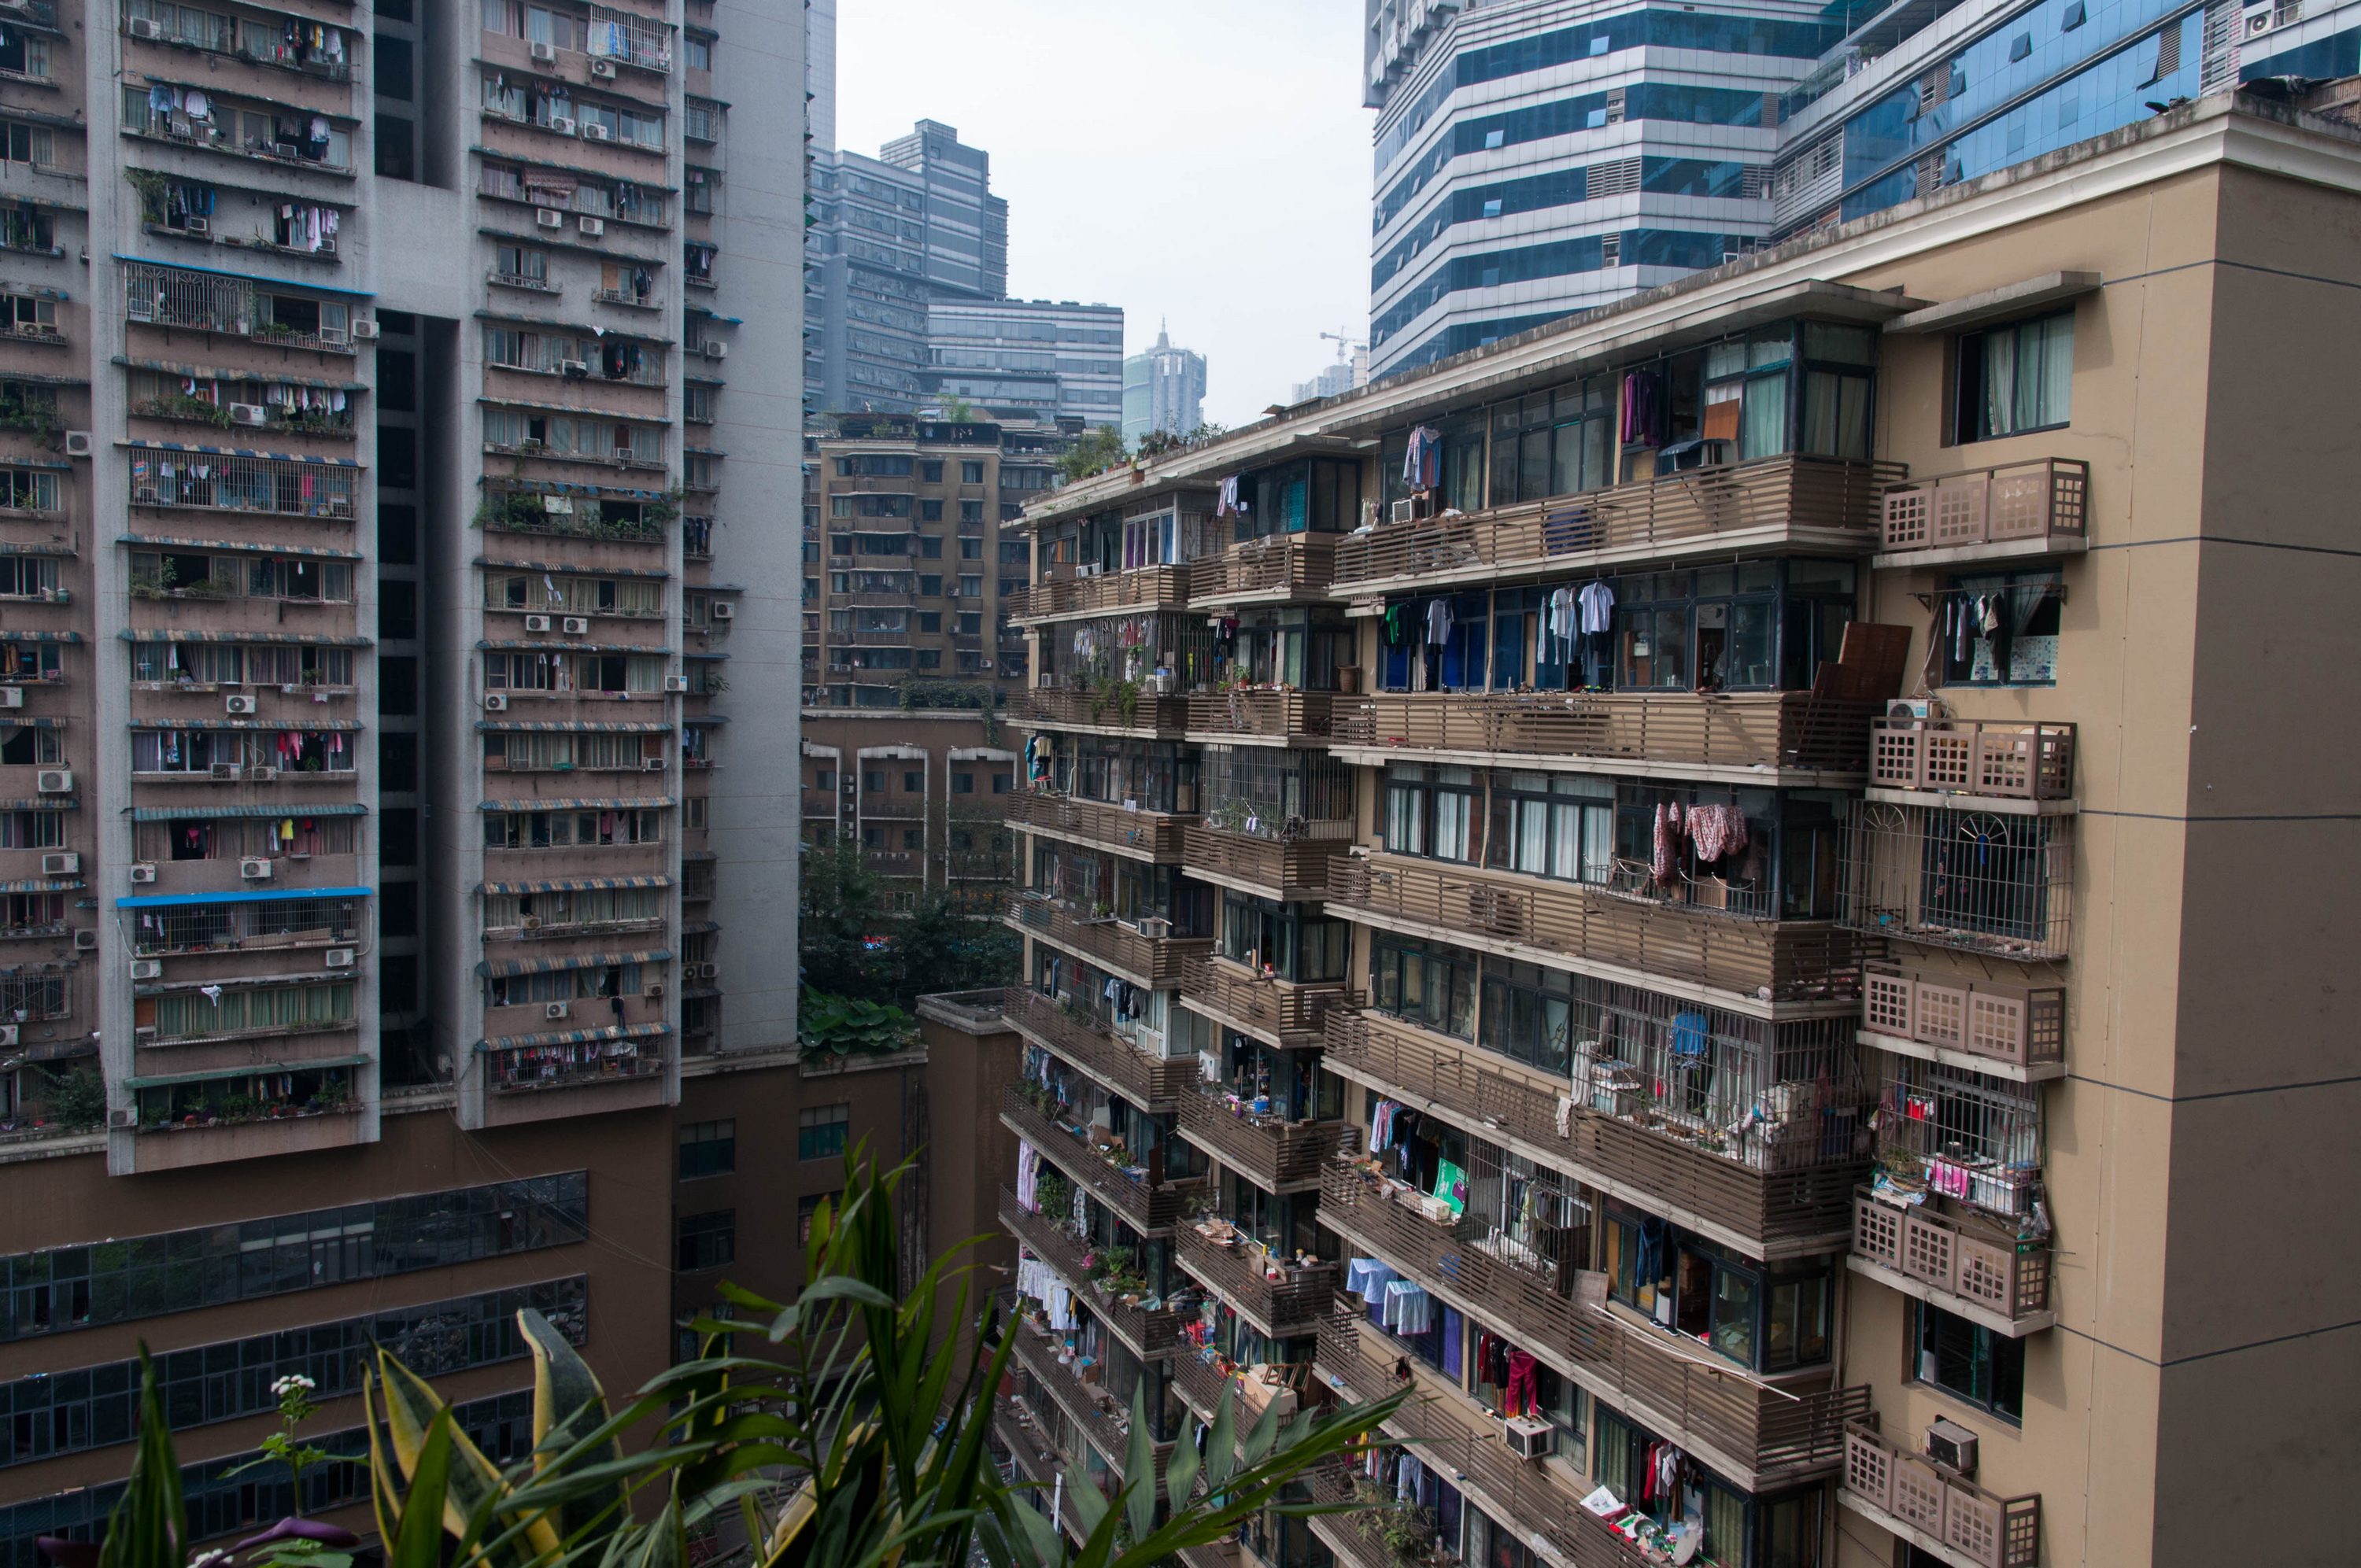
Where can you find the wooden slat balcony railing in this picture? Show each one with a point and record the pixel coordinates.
(1283, 566)
(1264, 715)
(1147, 1205)
(1150, 1334)
(1984, 759)
(1284, 1014)
(1282, 1308)
(1276, 1156)
(2013, 1031)
(1068, 707)
(1784, 960)
(1088, 1404)
(1288, 871)
(1713, 729)
(1424, 1066)
(1155, 834)
(1940, 1509)
(1152, 1083)
(1980, 1270)
(1826, 500)
(1148, 587)
(2037, 506)
(1022, 1436)
(1156, 962)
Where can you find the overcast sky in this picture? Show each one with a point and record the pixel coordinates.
(1207, 163)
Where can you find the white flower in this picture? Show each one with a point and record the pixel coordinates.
(291, 1382)
(207, 1559)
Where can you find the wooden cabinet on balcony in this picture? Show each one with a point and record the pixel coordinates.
(1791, 502)
(1152, 1083)
(2009, 1030)
(1277, 1012)
(1265, 571)
(1980, 764)
(1288, 871)
(2041, 508)
(1968, 1266)
(1062, 593)
(1237, 1272)
(1276, 1156)
(1149, 1335)
(1156, 962)
(1755, 735)
(1100, 711)
(1617, 935)
(1937, 1510)
(1144, 1199)
(1155, 835)
(1259, 716)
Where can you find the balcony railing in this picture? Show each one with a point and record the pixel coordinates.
(1921, 1501)
(2037, 506)
(2018, 1031)
(1739, 729)
(1155, 834)
(1999, 761)
(1289, 869)
(1991, 883)
(1288, 565)
(1101, 709)
(1156, 962)
(1147, 1334)
(1147, 1204)
(1828, 501)
(1973, 1264)
(1783, 959)
(1285, 1015)
(1291, 1304)
(1263, 714)
(1090, 1405)
(1148, 587)
(1150, 1082)
(170, 476)
(1275, 1154)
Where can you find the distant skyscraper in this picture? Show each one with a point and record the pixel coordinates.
(1163, 388)
(820, 74)
(1027, 358)
(1341, 377)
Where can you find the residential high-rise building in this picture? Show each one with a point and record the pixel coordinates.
(1713, 940)
(1163, 388)
(1334, 380)
(1533, 159)
(1041, 360)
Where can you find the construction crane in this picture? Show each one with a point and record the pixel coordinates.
(1344, 344)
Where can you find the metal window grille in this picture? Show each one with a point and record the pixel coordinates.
(1977, 1138)
(1280, 795)
(1985, 881)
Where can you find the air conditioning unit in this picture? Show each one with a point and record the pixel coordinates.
(716, 349)
(8, 1036)
(255, 870)
(238, 704)
(197, 225)
(2254, 22)
(1531, 1439)
(247, 413)
(79, 443)
(85, 941)
(653, 764)
(536, 623)
(548, 219)
(227, 773)
(594, 227)
(654, 989)
(604, 70)
(676, 683)
(561, 123)
(365, 331)
(53, 780)
(113, 1118)
(544, 54)
(496, 702)
(11, 696)
(1403, 511)
(1952, 1446)
(555, 1009)
(262, 775)
(339, 958)
(1904, 709)
(573, 370)
(594, 131)
(528, 922)
(65, 864)
(724, 610)
(576, 626)
(147, 969)
(285, 150)
(141, 27)
(143, 871)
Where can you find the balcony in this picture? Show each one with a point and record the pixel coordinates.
(1937, 1510)
(1279, 1012)
(1147, 1334)
(2010, 1031)
(1147, 1204)
(1624, 937)
(2025, 768)
(1238, 1272)
(1797, 501)
(1991, 883)
(2023, 509)
(1276, 1155)
(1150, 1082)
(1684, 732)
(1257, 714)
(1087, 1404)
(1154, 961)
(1061, 593)
(1154, 836)
(1289, 871)
(1283, 567)
(1966, 1265)
(1103, 710)
(1021, 1434)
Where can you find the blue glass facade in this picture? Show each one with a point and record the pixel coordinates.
(1560, 188)
(1558, 258)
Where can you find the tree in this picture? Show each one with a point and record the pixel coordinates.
(841, 911)
(1097, 451)
(946, 944)
(76, 1099)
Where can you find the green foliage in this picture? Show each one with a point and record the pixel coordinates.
(179, 405)
(852, 1025)
(1097, 451)
(941, 944)
(74, 1099)
(1163, 443)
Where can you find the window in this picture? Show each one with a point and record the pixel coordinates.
(1559, 825)
(696, 51)
(821, 1132)
(962, 783)
(2001, 630)
(931, 471)
(971, 549)
(971, 472)
(1000, 783)
(1969, 1362)
(708, 1148)
(806, 1206)
(931, 512)
(1430, 810)
(2014, 378)
(706, 1241)
(971, 511)
(1424, 983)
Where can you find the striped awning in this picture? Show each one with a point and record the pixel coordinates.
(34, 721)
(555, 964)
(698, 855)
(572, 884)
(243, 546)
(569, 727)
(243, 1070)
(574, 1037)
(42, 803)
(583, 803)
(701, 927)
(40, 636)
(9, 548)
(240, 452)
(41, 884)
(209, 373)
(200, 812)
(295, 639)
(560, 568)
(305, 726)
(182, 900)
(541, 646)
(716, 658)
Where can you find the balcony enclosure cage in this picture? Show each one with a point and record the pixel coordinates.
(1999, 884)
(1119, 1130)
(1526, 1216)
(1159, 531)
(1111, 650)
(1284, 796)
(1091, 996)
(1960, 1132)
(263, 923)
(1101, 886)
(1145, 775)
(1294, 647)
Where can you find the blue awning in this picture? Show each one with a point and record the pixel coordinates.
(206, 373)
(42, 884)
(182, 900)
(284, 639)
(246, 276)
(239, 451)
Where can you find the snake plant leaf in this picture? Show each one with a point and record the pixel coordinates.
(1221, 1443)
(417, 1542)
(1265, 1432)
(150, 1524)
(475, 1482)
(568, 1407)
(1139, 1470)
(1180, 1475)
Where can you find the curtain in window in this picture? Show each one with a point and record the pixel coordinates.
(1452, 816)
(1836, 414)
(1765, 431)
